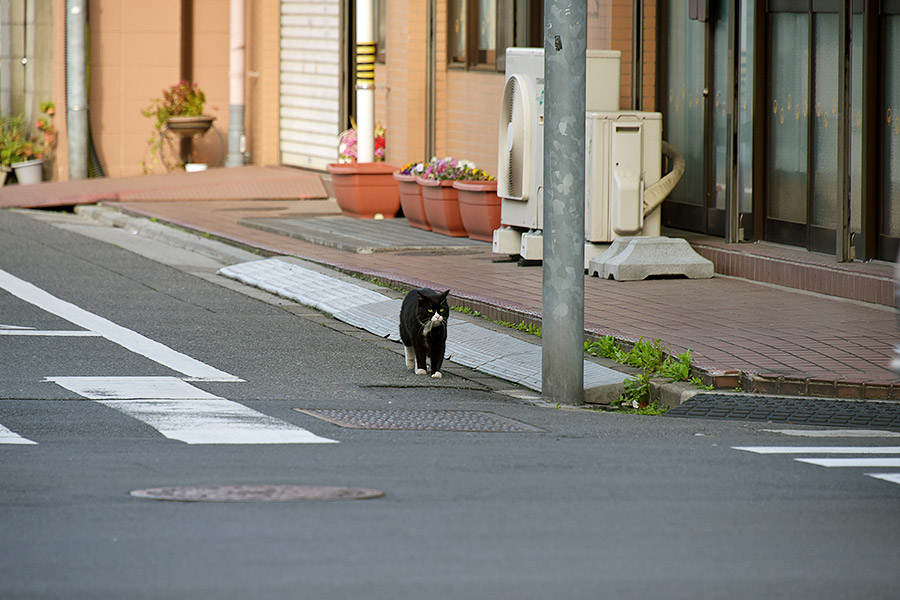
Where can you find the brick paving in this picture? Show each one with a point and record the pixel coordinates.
(766, 338)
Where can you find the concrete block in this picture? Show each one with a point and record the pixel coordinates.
(636, 258)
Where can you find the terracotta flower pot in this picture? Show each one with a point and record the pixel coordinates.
(411, 201)
(479, 207)
(441, 202)
(365, 190)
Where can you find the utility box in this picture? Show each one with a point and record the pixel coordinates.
(624, 157)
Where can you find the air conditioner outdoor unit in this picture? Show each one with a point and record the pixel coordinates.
(521, 141)
(623, 157)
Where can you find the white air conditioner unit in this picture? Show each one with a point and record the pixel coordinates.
(623, 157)
(520, 163)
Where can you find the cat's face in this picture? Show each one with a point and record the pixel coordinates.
(433, 309)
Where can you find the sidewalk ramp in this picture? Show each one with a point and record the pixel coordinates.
(468, 344)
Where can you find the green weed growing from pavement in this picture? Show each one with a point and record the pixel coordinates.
(653, 360)
(522, 326)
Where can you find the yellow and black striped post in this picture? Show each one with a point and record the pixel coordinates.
(365, 65)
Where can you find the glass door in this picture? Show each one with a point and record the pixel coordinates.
(695, 115)
(802, 203)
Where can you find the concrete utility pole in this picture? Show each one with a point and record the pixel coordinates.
(365, 81)
(236, 86)
(76, 86)
(565, 52)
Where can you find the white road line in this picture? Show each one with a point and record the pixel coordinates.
(51, 333)
(835, 433)
(181, 411)
(124, 388)
(891, 477)
(11, 437)
(820, 449)
(852, 462)
(126, 338)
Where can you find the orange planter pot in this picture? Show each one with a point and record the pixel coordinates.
(411, 201)
(365, 190)
(479, 207)
(441, 202)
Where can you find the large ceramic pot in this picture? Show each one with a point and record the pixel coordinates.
(441, 202)
(479, 207)
(365, 190)
(411, 201)
(29, 171)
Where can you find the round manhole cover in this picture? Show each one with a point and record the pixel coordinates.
(256, 493)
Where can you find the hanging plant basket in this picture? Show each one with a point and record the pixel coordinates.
(190, 126)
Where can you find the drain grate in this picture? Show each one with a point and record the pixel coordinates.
(256, 493)
(798, 411)
(421, 420)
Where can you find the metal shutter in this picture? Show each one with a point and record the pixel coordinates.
(309, 105)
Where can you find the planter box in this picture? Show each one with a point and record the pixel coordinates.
(411, 201)
(29, 172)
(479, 207)
(441, 202)
(365, 190)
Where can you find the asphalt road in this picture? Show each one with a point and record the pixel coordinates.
(593, 505)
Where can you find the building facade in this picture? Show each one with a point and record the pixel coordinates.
(752, 93)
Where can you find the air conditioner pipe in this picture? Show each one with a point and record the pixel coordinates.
(656, 193)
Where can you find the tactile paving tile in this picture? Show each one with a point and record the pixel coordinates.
(305, 286)
(797, 411)
(421, 420)
(381, 318)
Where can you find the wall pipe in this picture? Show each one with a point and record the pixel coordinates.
(236, 86)
(76, 88)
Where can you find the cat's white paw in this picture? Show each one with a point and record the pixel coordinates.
(436, 375)
(410, 358)
(421, 372)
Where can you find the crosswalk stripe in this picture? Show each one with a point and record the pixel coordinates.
(181, 411)
(217, 421)
(891, 477)
(820, 449)
(851, 462)
(865, 457)
(113, 332)
(11, 437)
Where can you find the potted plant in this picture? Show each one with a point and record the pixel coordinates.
(411, 195)
(479, 204)
(441, 196)
(25, 152)
(180, 110)
(364, 190)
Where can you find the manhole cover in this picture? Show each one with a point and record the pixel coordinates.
(256, 493)
(421, 420)
(780, 409)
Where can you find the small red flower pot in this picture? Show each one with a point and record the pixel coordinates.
(479, 208)
(365, 190)
(441, 202)
(411, 201)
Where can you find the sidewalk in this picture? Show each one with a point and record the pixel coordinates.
(762, 337)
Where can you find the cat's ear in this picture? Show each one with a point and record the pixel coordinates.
(422, 295)
(442, 297)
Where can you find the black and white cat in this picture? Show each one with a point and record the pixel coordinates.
(423, 329)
